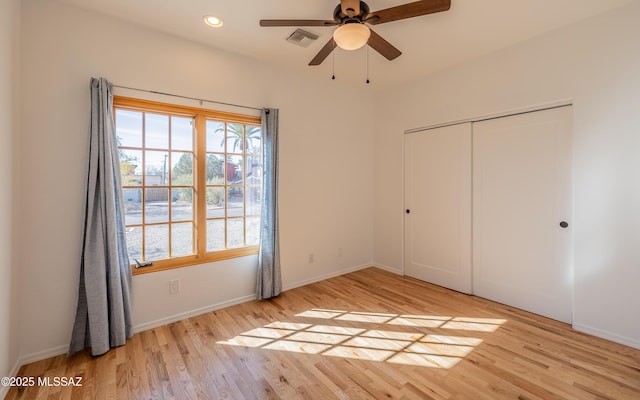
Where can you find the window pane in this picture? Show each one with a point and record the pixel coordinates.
(235, 138)
(156, 131)
(254, 140)
(182, 239)
(234, 170)
(181, 133)
(132, 206)
(134, 243)
(235, 201)
(235, 232)
(215, 235)
(129, 128)
(215, 202)
(181, 169)
(182, 204)
(130, 167)
(155, 168)
(156, 205)
(253, 231)
(215, 169)
(254, 170)
(253, 200)
(156, 242)
(215, 136)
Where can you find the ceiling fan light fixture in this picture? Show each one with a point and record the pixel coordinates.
(351, 36)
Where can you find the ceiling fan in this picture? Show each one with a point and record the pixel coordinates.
(351, 17)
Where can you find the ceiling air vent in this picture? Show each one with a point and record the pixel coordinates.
(302, 38)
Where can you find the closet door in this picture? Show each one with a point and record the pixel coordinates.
(522, 212)
(438, 206)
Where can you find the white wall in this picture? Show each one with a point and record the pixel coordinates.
(326, 179)
(9, 29)
(597, 64)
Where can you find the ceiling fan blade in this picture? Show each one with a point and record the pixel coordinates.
(350, 4)
(323, 53)
(383, 47)
(297, 22)
(409, 10)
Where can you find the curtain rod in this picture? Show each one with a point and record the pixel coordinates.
(187, 97)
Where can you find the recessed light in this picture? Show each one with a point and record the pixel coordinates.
(213, 21)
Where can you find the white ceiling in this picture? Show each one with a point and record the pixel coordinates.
(429, 43)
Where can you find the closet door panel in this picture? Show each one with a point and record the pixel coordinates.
(521, 196)
(438, 206)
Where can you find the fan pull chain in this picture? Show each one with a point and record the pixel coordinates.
(333, 61)
(367, 65)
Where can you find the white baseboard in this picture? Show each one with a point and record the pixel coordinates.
(4, 390)
(42, 355)
(29, 358)
(322, 277)
(627, 341)
(394, 270)
(192, 313)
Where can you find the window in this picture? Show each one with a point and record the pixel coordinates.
(191, 183)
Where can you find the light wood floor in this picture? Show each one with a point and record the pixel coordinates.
(366, 335)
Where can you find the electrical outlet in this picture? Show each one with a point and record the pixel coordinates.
(174, 286)
(311, 258)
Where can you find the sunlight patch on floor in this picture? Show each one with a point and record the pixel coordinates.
(409, 348)
(474, 324)
(414, 320)
(425, 321)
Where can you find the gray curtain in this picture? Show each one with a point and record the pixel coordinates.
(103, 315)
(269, 278)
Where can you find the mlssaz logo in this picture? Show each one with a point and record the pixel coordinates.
(59, 381)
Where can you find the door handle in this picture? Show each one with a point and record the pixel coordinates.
(564, 224)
